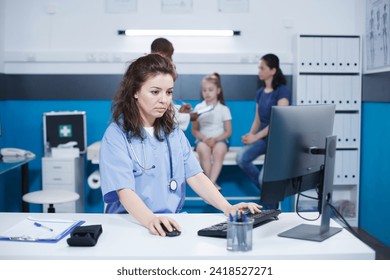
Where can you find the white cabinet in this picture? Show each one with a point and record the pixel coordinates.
(66, 174)
(328, 71)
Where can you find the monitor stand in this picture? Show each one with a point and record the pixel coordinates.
(323, 231)
(309, 232)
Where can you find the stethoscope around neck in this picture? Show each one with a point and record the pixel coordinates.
(172, 185)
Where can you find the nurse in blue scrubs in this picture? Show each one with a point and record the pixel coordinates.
(145, 159)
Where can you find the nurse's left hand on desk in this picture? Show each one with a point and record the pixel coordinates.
(243, 206)
(155, 225)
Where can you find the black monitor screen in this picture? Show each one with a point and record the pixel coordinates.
(293, 131)
(301, 155)
(64, 127)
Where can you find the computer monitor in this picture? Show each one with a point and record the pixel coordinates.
(301, 156)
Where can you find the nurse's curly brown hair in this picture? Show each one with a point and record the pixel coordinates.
(124, 108)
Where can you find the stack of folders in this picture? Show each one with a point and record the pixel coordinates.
(40, 230)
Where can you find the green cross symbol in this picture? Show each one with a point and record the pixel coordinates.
(65, 130)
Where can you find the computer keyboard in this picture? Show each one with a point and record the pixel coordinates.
(220, 230)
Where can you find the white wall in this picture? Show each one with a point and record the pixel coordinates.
(79, 36)
(2, 35)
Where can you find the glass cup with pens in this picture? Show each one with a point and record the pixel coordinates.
(239, 233)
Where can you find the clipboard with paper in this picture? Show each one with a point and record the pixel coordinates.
(40, 230)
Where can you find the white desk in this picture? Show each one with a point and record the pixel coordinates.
(122, 238)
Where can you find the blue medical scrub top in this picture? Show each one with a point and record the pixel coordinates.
(119, 169)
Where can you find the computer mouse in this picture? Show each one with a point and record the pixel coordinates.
(172, 233)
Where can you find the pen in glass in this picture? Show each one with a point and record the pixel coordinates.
(42, 226)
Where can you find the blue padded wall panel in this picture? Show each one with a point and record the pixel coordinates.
(374, 216)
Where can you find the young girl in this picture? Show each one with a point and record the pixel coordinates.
(212, 129)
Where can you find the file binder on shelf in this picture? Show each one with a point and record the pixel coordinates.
(40, 230)
(328, 71)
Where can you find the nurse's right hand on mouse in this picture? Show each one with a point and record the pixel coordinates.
(155, 228)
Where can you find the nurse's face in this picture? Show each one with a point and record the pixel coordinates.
(154, 98)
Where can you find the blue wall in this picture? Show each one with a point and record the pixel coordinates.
(22, 128)
(375, 169)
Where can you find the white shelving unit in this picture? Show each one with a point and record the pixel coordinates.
(328, 71)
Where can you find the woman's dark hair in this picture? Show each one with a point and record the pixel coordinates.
(215, 78)
(124, 108)
(272, 62)
(162, 46)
